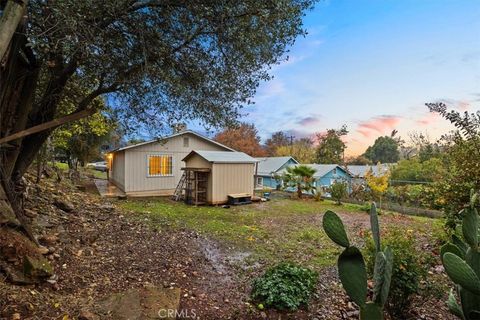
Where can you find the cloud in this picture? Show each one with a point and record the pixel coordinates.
(378, 125)
(428, 119)
(309, 121)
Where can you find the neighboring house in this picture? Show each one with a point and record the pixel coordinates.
(212, 176)
(328, 174)
(268, 168)
(358, 172)
(153, 168)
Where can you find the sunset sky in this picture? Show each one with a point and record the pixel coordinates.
(372, 65)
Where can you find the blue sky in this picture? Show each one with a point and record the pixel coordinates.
(372, 65)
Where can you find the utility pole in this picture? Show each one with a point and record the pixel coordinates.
(291, 144)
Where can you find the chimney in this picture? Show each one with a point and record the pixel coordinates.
(179, 127)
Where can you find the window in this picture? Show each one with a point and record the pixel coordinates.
(186, 142)
(259, 181)
(334, 170)
(160, 165)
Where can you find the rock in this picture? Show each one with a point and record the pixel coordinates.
(16, 316)
(48, 239)
(87, 315)
(64, 205)
(142, 304)
(37, 267)
(439, 269)
(43, 250)
(16, 277)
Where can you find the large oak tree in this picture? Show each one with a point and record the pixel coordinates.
(160, 62)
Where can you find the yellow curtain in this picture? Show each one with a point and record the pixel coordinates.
(159, 165)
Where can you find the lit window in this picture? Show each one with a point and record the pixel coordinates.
(185, 142)
(160, 165)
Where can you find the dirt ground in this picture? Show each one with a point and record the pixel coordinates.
(97, 250)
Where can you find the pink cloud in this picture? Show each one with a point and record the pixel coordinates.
(378, 125)
(428, 119)
(463, 105)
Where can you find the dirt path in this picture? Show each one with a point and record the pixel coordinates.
(98, 250)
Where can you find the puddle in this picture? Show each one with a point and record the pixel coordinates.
(222, 262)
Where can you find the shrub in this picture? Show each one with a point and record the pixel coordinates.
(285, 287)
(338, 191)
(408, 269)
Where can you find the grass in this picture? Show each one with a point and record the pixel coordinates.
(279, 230)
(89, 171)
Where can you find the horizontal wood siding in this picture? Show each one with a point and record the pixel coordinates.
(136, 178)
(229, 178)
(117, 173)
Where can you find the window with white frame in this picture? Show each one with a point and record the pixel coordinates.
(159, 165)
(259, 181)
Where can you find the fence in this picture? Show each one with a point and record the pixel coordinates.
(413, 211)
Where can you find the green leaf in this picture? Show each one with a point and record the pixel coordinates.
(333, 226)
(379, 276)
(450, 247)
(352, 273)
(371, 311)
(387, 276)
(453, 306)
(459, 243)
(375, 226)
(461, 273)
(470, 227)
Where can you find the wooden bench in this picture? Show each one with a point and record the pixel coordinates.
(239, 198)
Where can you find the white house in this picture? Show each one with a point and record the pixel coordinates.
(153, 168)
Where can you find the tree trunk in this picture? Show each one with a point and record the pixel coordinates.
(299, 190)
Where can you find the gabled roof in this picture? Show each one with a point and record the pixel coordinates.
(269, 165)
(173, 136)
(361, 170)
(322, 169)
(222, 156)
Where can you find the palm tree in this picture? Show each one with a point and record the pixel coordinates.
(300, 176)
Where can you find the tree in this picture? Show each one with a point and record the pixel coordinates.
(242, 138)
(378, 184)
(338, 191)
(331, 146)
(300, 177)
(414, 170)
(384, 150)
(358, 160)
(461, 153)
(277, 140)
(301, 150)
(159, 61)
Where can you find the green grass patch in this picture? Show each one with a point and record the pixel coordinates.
(275, 231)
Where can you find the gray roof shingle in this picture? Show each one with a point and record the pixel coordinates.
(223, 156)
(269, 165)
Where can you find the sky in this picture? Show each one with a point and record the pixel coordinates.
(372, 65)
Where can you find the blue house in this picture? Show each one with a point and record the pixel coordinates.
(268, 168)
(328, 174)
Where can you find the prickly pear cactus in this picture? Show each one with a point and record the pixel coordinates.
(351, 266)
(461, 259)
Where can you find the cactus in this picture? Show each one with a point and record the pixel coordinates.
(351, 266)
(461, 259)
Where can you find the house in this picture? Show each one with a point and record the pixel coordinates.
(213, 176)
(358, 172)
(268, 168)
(328, 174)
(153, 168)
